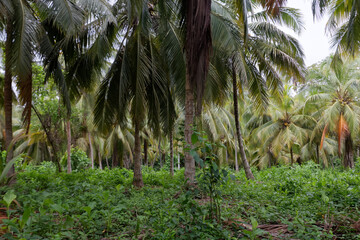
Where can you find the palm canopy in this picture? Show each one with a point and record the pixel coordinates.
(288, 127)
(343, 25)
(338, 108)
(267, 54)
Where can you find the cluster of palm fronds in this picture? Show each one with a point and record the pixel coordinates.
(116, 76)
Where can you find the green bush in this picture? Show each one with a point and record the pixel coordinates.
(79, 160)
(102, 204)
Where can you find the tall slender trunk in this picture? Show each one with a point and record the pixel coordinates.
(68, 136)
(178, 161)
(248, 172)
(349, 153)
(226, 157)
(236, 156)
(115, 156)
(107, 162)
(317, 154)
(8, 95)
(189, 120)
(91, 151)
(292, 156)
(171, 153)
(100, 160)
(137, 182)
(146, 152)
(160, 153)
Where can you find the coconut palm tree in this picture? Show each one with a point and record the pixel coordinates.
(20, 27)
(73, 40)
(343, 25)
(287, 128)
(136, 83)
(338, 107)
(259, 61)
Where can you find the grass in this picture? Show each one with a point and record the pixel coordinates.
(303, 202)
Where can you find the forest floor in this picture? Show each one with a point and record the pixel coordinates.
(300, 202)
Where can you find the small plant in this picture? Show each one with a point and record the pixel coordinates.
(8, 198)
(211, 176)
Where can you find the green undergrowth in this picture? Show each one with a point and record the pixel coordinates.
(102, 204)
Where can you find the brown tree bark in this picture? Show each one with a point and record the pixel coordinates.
(8, 95)
(68, 136)
(146, 152)
(248, 172)
(317, 153)
(115, 157)
(50, 138)
(91, 150)
(160, 153)
(189, 120)
(137, 181)
(171, 153)
(292, 156)
(349, 153)
(197, 51)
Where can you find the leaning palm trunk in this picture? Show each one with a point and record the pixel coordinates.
(171, 153)
(8, 96)
(349, 153)
(137, 182)
(249, 174)
(91, 151)
(68, 136)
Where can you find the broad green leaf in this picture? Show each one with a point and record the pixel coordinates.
(194, 138)
(9, 197)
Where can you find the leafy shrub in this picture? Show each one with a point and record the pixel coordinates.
(79, 160)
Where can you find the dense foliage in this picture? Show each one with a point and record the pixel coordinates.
(151, 107)
(310, 202)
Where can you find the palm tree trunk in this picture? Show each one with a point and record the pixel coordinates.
(160, 153)
(197, 51)
(236, 156)
(317, 154)
(292, 156)
(107, 162)
(248, 172)
(226, 157)
(91, 151)
(189, 120)
(349, 153)
(178, 161)
(100, 162)
(171, 153)
(8, 96)
(115, 156)
(137, 182)
(68, 136)
(146, 152)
